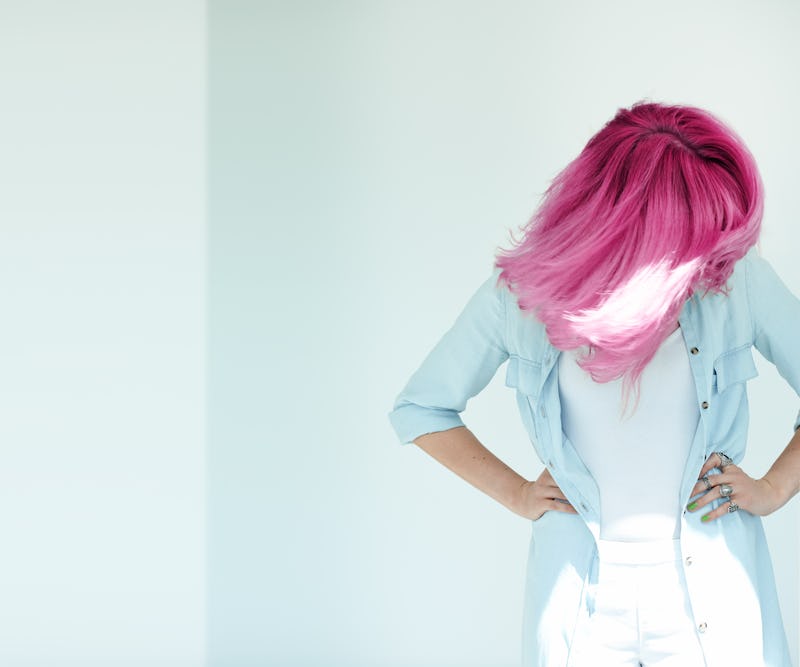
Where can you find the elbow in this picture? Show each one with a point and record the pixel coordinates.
(410, 420)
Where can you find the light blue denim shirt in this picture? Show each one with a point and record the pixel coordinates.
(726, 562)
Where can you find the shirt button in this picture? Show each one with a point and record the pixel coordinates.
(543, 411)
(694, 350)
(704, 405)
(702, 627)
(688, 560)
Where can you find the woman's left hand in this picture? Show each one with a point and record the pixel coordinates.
(756, 496)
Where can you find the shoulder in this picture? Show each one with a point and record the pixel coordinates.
(739, 285)
(525, 333)
(755, 294)
(764, 288)
(743, 268)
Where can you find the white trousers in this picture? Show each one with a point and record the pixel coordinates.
(641, 614)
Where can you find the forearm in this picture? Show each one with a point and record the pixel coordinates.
(784, 475)
(460, 451)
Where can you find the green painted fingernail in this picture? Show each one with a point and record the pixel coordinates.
(705, 517)
(692, 506)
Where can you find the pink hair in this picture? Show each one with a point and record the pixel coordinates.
(660, 203)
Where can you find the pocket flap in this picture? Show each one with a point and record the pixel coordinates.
(523, 375)
(734, 366)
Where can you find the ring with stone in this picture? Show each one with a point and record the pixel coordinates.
(725, 490)
(724, 460)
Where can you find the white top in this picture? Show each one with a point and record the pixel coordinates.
(637, 460)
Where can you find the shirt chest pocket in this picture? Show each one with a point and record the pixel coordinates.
(523, 375)
(734, 367)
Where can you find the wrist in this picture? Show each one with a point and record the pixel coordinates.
(780, 493)
(518, 501)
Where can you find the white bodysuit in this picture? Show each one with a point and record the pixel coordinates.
(637, 461)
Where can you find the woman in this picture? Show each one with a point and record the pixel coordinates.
(627, 313)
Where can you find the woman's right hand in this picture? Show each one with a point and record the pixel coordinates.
(542, 495)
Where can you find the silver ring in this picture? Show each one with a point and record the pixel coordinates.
(733, 507)
(725, 490)
(724, 459)
(706, 482)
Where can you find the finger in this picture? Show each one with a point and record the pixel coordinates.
(556, 494)
(550, 485)
(562, 507)
(702, 501)
(716, 513)
(701, 487)
(711, 462)
(550, 488)
(708, 497)
(713, 481)
(551, 493)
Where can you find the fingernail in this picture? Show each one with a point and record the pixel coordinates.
(692, 506)
(705, 517)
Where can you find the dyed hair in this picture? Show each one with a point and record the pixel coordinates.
(660, 203)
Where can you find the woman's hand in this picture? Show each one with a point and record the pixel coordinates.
(757, 496)
(540, 496)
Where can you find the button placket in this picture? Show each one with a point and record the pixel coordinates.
(694, 573)
(694, 570)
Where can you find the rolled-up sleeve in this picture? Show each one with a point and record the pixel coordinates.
(776, 320)
(458, 367)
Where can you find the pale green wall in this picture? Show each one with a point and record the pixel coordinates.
(102, 367)
(364, 161)
(366, 158)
